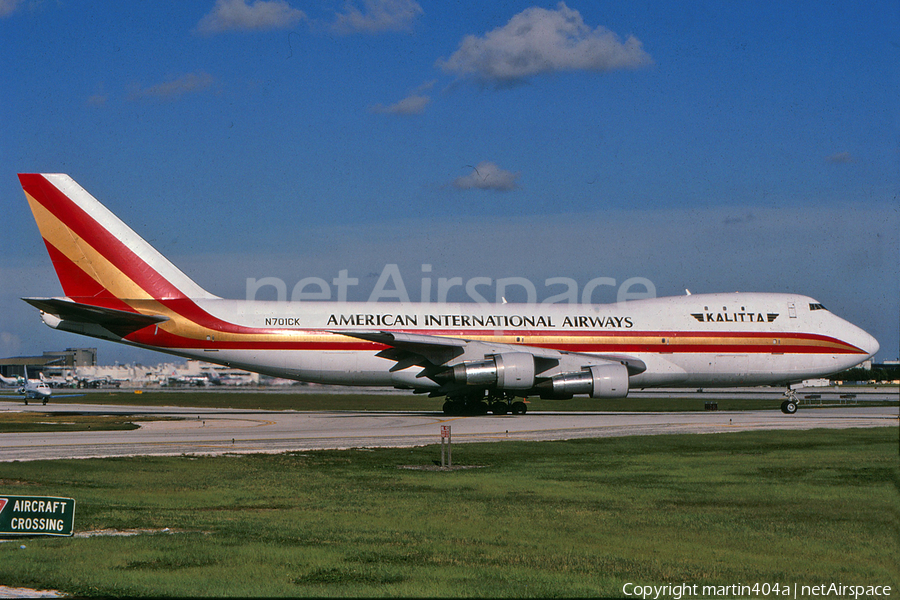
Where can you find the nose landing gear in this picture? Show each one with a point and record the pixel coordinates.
(789, 406)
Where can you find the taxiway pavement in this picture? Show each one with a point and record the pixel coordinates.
(223, 431)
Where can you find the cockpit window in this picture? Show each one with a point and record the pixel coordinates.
(817, 307)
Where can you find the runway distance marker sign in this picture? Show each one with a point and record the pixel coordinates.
(36, 515)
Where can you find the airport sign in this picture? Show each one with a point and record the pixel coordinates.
(36, 515)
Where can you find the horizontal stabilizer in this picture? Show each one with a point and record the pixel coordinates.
(119, 322)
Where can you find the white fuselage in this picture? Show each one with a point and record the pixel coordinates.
(694, 340)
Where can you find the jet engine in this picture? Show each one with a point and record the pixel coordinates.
(599, 381)
(507, 371)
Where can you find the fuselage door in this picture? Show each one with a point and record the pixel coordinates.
(792, 310)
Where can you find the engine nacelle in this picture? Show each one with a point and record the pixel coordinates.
(599, 381)
(506, 371)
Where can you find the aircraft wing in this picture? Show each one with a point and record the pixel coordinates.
(438, 355)
(119, 322)
(404, 346)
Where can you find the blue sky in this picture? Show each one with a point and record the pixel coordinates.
(716, 147)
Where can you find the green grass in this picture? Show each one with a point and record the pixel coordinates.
(30, 422)
(548, 519)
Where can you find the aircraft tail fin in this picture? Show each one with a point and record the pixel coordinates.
(97, 257)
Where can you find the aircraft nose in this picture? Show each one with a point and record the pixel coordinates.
(865, 342)
(870, 344)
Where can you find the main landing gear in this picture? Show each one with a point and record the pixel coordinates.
(789, 406)
(480, 404)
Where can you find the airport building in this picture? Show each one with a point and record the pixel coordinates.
(69, 358)
(77, 367)
(191, 373)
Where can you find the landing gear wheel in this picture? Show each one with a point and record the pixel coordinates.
(499, 408)
(789, 407)
(519, 408)
(26, 401)
(450, 408)
(45, 402)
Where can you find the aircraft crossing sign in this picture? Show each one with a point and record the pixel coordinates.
(36, 515)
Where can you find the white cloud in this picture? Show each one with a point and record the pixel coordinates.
(425, 86)
(237, 15)
(487, 176)
(411, 105)
(538, 41)
(841, 158)
(414, 104)
(189, 83)
(7, 7)
(378, 16)
(98, 99)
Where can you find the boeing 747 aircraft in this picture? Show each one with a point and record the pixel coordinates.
(479, 357)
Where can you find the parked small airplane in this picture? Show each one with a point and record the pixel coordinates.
(194, 380)
(229, 380)
(56, 381)
(480, 357)
(96, 382)
(11, 380)
(32, 389)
